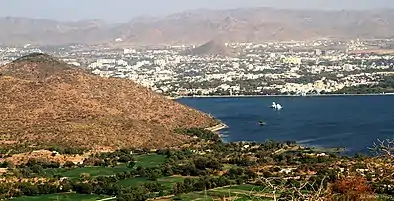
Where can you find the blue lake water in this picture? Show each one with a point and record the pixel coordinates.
(354, 122)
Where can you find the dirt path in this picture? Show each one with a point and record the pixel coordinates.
(111, 198)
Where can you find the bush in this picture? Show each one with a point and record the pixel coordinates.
(352, 188)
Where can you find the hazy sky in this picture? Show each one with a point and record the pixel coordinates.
(124, 10)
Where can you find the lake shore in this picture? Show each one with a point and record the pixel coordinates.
(218, 127)
(246, 96)
(350, 123)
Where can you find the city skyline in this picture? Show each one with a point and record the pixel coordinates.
(123, 10)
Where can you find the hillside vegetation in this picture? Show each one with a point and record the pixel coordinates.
(385, 85)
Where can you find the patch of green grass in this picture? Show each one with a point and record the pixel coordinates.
(150, 160)
(169, 181)
(244, 187)
(252, 198)
(239, 193)
(133, 181)
(60, 197)
(166, 181)
(92, 171)
(228, 166)
(195, 196)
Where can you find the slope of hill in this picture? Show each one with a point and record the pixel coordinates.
(19, 31)
(213, 48)
(35, 66)
(199, 26)
(68, 107)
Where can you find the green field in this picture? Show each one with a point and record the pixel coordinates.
(245, 187)
(61, 197)
(150, 160)
(92, 171)
(166, 181)
(228, 166)
(239, 193)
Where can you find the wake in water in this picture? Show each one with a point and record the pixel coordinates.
(224, 134)
(306, 141)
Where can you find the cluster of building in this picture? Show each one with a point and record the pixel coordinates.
(258, 69)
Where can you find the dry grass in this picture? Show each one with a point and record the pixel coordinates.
(45, 155)
(68, 107)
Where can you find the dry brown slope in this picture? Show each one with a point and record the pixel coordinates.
(72, 108)
(213, 48)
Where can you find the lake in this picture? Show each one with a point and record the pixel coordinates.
(354, 122)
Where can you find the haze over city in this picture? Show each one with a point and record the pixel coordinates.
(162, 100)
(124, 10)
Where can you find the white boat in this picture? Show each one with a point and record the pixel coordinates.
(276, 106)
(273, 105)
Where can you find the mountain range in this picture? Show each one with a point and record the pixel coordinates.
(45, 102)
(200, 26)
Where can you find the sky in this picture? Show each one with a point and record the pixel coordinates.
(125, 10)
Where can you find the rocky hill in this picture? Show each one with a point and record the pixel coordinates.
(212, 48)
(199, 26)
(46, 102)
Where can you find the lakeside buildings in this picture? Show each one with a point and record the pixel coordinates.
(268, 68)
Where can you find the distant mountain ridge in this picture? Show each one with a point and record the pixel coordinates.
(200, 26)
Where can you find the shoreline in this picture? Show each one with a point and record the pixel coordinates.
(248, 96)
(336, 150)
(217, 128)
(328, 150)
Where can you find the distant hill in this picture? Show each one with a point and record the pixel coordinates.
(46, 102)
(213, 48)
(35, 66)
(199, 26)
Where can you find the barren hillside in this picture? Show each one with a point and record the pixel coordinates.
(45, 102)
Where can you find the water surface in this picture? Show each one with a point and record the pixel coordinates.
(354, 122)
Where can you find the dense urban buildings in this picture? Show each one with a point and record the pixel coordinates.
(291, 68)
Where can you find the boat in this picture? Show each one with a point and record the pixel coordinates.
(273, 105)
(276, 106)
(262, 123)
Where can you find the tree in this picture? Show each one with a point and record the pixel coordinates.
(167, 170)
(154, 174)
(47, 188)
(84, 176)
(84, 188)
(352, 188)
(68, 164)
(141, 171)
(384, 148)
(131, 164)
(125, 158)
(7, 164)
(296, 190)
(28, 189)
(250, 174)
(37, 168)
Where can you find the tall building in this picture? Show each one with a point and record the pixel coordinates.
(320, 52)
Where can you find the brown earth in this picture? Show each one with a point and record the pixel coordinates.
(46, 102)
(212, 48)
(44, 155)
